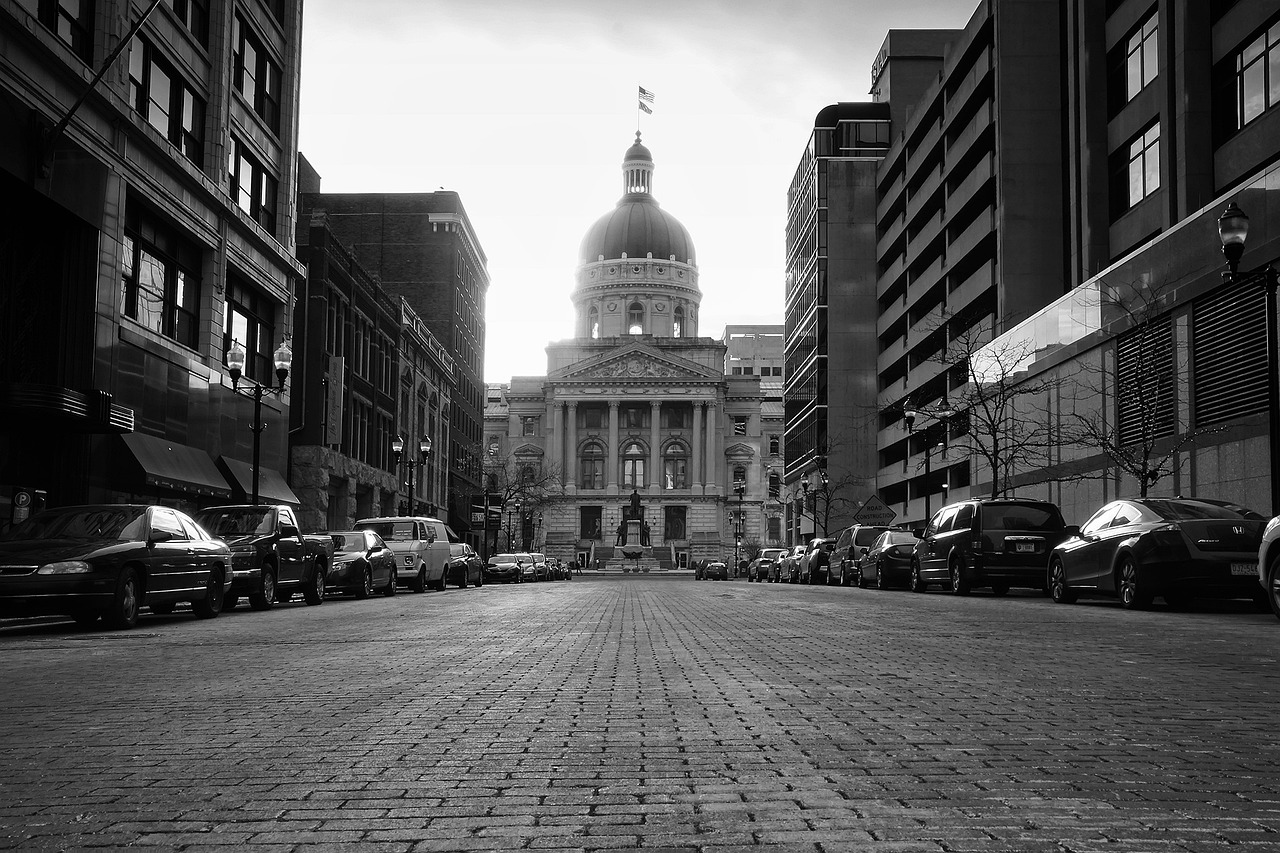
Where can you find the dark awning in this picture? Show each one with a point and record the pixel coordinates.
(170, 465)
(272, 487)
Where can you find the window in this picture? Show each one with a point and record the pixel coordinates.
(592, 418)
(673, 526)
(194, 15)
(1142, 57)
(1257, 76)
(70, 20)
(677, 322)
(676, 416)
(633, 417)
(252, 188)
(775, 528)
(635, 319)
(591, 467)
(774, 445)
(775, 485)
(168, 104)
(1136, 172)
(1145, 382)
(249, 320)
(160, 278)
(256, 76)
(675, 467)
(739, 425)
(529, 426)
(589, 522)
(633, 458)
(593, 323)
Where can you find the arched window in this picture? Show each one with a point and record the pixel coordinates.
(591, 466)
(677, 326)
(675, 467)
(633, 456)
(635, 319)
(593, 322)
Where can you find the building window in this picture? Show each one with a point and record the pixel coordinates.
(1136, 173)
(160, 278)
(675, 467)
(775, 529)
(194, 15)
(250, 321)
(775, 485)
(633, 459)
(673, 526)
(529, 426)
(252, 187)
(1142, 57)
(677, 322)
(676, 416)
(256, 76)
(1257, 76)
(70, 20)
(774, 445)
(1145, 377)
(592, 417)
(739, 475)
(633, 417)
(593, 323)
(168, 104)
(591, 467)
(589, 522)
(739, 425)
(635, 319)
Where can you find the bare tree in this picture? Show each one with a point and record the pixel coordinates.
(510, 479)
(1129, 413)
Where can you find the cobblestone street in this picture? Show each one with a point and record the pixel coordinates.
(656, 713)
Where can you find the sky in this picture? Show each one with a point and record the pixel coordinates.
(526, 107)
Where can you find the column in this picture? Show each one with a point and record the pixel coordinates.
(571, 449)
(695, 444)
(713, 464)
(556, 444)
(612, 458)
(655, 452)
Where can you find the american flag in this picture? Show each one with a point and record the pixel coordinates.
(646, 95)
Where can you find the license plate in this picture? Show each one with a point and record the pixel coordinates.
(1244, 568)
(1025, 547)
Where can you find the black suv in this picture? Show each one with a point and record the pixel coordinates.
(993, 542)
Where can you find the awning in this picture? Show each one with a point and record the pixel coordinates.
(272, 487)
(170, 465)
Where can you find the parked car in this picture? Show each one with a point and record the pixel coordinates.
(541, 568)
(421, 545)
(1137, 548)
(272, 558)
(789, 565)
(362, 563)
(888, 560)
(717, 571)
(764, 568)
(108, 561)
(851, 547)
(503, 567)
(1269, 564)
(993, 542)
(815, 565)
(465, 566)
(528, 568)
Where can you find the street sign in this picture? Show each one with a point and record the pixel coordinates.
(875, 511)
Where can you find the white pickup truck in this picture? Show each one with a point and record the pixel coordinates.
(421, 546)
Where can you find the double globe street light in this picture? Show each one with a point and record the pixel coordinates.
(424, 453)
(237, 358)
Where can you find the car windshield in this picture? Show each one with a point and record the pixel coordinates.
(1193, 509)
(122, 523)
(393, 531)
(348, 541)
(237, 522)
(867, 535)
(1027, 516)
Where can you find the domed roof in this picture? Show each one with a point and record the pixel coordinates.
(638, 226)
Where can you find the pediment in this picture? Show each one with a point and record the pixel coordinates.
(739, 450)
(638, 363)
(527, 450)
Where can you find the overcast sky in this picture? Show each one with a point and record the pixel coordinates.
(525, 108)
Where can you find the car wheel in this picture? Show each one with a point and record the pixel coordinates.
(917, 585)
(1133, 596)
(419, 582)
(267, 597)
(999, 589)
(390, 591)
(441, 584)
(959, 581)
(313, 593)
(162, 609)
(1273, 586)
(1058, 589)
(366, 585)
(862, 582)
(879, 577)
(480, 579)
(123, 612)
(211, 605)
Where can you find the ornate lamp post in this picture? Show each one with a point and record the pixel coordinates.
(424, 452)
(1233, 228)
(236, 360)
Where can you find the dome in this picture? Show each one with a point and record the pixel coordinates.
(636, 228)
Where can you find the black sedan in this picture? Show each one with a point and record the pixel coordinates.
(362, 562)
(107, 561)
(465, 566)
(1178, 548)
(888, 561)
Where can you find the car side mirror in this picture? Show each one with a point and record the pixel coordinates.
(160, 536)
(917, 532)
(1072, 530)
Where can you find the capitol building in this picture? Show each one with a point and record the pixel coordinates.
(646, 445)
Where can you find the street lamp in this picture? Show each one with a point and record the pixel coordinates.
(424, 452)
(942, 414)
(739, 488)
(236, 360)
(1233, 228)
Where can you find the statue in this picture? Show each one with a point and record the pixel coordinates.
(621, 538)
(644, 534)
(635, 504)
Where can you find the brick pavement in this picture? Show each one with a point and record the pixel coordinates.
(655, 713)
